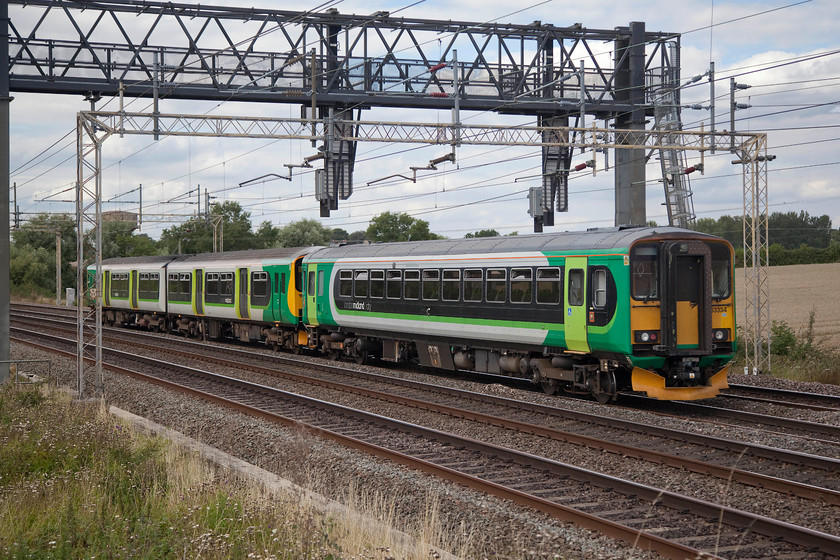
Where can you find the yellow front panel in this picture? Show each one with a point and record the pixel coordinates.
(644, 316)
(687, 324)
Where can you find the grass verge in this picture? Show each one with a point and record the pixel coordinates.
(75, 483)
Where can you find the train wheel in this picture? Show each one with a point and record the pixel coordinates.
(333, 355)
(608, 391)
(549, 387)
(362, 358)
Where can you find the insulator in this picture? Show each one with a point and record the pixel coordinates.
(437, 67)
(438, 94)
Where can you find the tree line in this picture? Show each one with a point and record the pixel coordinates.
(796, 238)
(32, 257)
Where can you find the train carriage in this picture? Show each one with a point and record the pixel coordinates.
(247, 295)
(648, 309)
(134, 290)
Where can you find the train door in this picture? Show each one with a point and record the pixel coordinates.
(311, 290)
(106, 288)
(687, 313)
(242, 296)
(575, 300)
(133, 290)
(199, 291)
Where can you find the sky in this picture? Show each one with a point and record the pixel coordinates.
(788, 51)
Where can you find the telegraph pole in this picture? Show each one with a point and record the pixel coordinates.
(5, 246)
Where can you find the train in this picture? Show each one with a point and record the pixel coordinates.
(596, 312)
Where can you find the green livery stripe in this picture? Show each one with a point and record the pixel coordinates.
(456, 320)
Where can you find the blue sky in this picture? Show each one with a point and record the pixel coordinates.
(764, 44)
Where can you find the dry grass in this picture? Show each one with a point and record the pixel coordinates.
(795, 291)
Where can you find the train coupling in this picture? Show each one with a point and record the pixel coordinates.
(654, 386)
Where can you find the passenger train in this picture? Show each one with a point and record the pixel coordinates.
(647, 309)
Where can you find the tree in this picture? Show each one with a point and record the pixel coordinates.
(304, 233)
(339, 235)
(392, 226)
(39, 234)
(32, 270)
(483, 233)
(266, 236)
(119, 240)
(231, 224)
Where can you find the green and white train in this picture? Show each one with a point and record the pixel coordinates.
(601, 311)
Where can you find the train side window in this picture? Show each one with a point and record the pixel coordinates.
(320, 282)
(599, 288)
(496, 285)
(226, 283)
(310, 285)
(431, 285)
(520, 285)
(412, 284)
(186, 284)
(377, 284)
(345, 283)
(259, 284)
(393, 284)
(360, 283)
(282, 287)
(211, 284)
(276, 284)
(451, 285)
(473, 281)
(549, 285)
(575, 296)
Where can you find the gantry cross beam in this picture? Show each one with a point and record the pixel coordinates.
(339, 62)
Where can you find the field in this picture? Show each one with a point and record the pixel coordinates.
(795, 291)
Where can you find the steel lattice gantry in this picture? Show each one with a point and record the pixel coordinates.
(340, 63)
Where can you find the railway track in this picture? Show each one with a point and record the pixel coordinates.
(797, 474)
(652, 518)
(810, 401)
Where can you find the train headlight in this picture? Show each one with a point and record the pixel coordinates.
(646, 337)
(721, 335)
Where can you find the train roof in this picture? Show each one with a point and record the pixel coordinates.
(594, 239)
(278, 253)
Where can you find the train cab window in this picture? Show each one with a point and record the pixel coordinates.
(451, 285)
(431, 285)
(211, 284)
(520, 285)
(496, 285)
(721, 271)
(549, 285)
(412, 284)
(393, 284)
(473, 281)
(576, 278)
(345, 283)
(644, 261)
(599, 288)
(360, 283)
(377, 284)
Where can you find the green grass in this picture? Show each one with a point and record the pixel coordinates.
(76, 484)
(799, 356)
